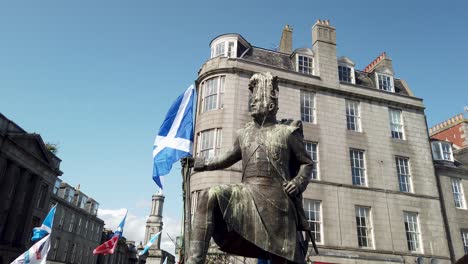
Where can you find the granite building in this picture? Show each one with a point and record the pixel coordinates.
(373, 195)
(28, 171)
(77, 230)
(450, 153)
(125, 251)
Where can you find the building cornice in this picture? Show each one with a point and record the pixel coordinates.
(238, 65)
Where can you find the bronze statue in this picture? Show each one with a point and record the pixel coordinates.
(261, 217)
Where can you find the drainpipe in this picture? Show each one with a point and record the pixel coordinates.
(442, 203)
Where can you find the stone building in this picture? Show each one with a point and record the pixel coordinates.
(373, 194)
(450, 153)
(125, 251)
(77, 230)
(454, 129)
(28, 171)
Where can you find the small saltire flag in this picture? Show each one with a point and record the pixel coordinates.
(165, 261)
(46, 227)
(108, 247)
(119, 230)
(150, 242)
(37, 254)
(175, 137)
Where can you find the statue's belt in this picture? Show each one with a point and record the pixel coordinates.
(261, 181)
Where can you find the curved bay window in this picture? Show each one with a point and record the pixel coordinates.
(209, 142)
(212, 93)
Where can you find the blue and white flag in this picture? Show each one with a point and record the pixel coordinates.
(37, 254)
(150, 242)
(175, 137)
(46, 227)
(119, 230)
(165, 261)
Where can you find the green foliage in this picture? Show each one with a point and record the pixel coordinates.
(52, 147)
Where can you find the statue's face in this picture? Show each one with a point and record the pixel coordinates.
(261, 109)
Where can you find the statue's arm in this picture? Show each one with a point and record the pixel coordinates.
(222, 161)
(296, 143)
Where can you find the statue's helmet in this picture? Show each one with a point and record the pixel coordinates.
(264, 88)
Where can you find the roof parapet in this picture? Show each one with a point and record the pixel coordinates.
(376, 61)
(454, 120)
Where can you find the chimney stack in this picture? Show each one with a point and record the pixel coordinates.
(324, 48)
(286, 40)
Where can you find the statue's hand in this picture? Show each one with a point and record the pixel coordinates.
(290, 188)
(187, 161)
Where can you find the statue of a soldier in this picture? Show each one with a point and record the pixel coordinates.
(262, 216)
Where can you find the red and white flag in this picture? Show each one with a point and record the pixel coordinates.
(107, 247)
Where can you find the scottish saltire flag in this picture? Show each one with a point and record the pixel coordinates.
(108, 247)
(37, 254)
(175, 137)
(46, 227)
(119, 230)
(165, 261)
(150, 242)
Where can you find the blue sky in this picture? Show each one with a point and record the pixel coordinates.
(97, 77)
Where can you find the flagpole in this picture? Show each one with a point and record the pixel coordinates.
(187, 207)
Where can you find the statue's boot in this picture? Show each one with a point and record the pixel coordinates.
(202, 228)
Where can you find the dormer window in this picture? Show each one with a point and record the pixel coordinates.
(346, 70)
(304, 64)
(442, 150)
(219, 49)
(304, 60)
(385, 82)
(228, 45)
(344, 73)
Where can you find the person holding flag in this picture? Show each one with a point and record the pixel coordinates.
(149, 244)
(46, 227)
(175, 137)
(108, 247)
(37, 254)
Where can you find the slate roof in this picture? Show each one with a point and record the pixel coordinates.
(286, 62)
(269, 57)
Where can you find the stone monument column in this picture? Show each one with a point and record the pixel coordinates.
(154, 224)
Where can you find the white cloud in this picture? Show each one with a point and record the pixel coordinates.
(135, 227)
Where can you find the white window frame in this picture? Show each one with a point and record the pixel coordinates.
(442, 150)
(212, 97)
(413, 232)
(364, 231)
(404, 174)
(305, 64)
(73, 253)
(464, 235)
(358, 167)
(91, 232)
(353, 115)
(313, 150)
(352, 79)
(57, 186)
(458, 194)
(65, 252)
(312, 208)
(386, 85)
(209, 147)
(397, 126)
(85, 228)
(55, 248)
(307, 106)
(72, 223)
(225, 47)
(78, 227)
